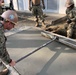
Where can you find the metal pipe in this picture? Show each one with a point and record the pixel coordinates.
(67, 43)
(59, 36)
(50, 35)
(45, 44)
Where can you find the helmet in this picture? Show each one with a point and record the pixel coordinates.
(10, 15)
(69, 3)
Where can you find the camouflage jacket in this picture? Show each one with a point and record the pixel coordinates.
(3, 52)
(71, 14)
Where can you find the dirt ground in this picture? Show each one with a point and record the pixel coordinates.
(28, 19)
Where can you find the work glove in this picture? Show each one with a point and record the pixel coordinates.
(68, 21)
(43, 6)
(12, 63)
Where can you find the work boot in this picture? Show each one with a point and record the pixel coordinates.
(4, 72)
(37, 24)
(43, 26)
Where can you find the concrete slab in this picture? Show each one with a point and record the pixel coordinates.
(54, 59)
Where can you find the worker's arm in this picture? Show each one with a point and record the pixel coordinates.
(30, 4)
(43, 4)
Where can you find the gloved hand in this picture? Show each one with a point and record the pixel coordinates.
(43, 6)
(12, 63)
(68, 21)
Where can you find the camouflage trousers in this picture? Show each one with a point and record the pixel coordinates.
(71, 29)
(0, 10)
(37, 12)
(2, 67)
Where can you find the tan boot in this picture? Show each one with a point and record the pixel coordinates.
(43, 24)
(37, 24)
(4, 72)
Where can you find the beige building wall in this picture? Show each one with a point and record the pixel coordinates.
(62, 7)
(15, 4)
(75, 2)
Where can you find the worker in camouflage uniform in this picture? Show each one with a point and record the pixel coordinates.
(71, 18)
(9, 19)
(69, 28)
(36, 7)
(1, 4)
(11, 5)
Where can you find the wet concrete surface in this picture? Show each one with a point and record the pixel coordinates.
(54, 59)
